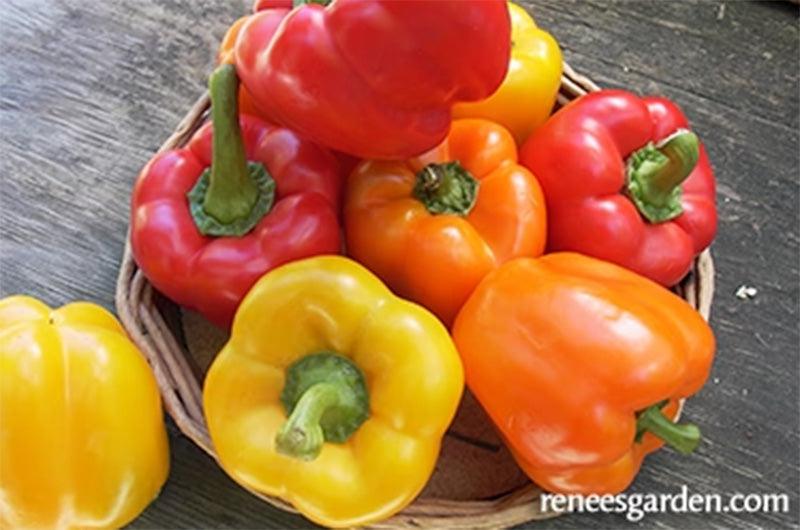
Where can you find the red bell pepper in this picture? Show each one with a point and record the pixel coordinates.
(261, 5)
(204, 236)
(372, 78)
(625, 181)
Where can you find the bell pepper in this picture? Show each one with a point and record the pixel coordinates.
(527, 95)
(372, 78)
(225, 52)
(332, 393)
(433, 226)
(203, 236)
(82, 436)
(246, 103)
(581, 365)
(625, 181)
(225, 56)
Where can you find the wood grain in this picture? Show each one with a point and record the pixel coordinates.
(88, 90)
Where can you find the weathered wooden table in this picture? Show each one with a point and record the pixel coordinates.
(88, 90)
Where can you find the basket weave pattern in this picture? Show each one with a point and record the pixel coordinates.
(146, 317)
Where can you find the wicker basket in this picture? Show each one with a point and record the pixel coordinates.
(476, 483)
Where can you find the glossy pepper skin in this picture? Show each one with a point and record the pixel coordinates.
(225, 53)
(436, 256)
(212, 274)
(526, 97)
(566, 352)
(405, 357)
(225, 56)
(83, 440)
(582, 157)
(373, 78)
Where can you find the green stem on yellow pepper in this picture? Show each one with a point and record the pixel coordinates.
(326, 399)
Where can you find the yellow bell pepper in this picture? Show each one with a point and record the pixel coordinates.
(369, 383)
(526, 97)
(82, 436)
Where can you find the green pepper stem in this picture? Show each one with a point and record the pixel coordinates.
(684, 438)
(231, 197)
(231, 190)
(301, 436)
(326, 399)
(446, 188)
(656, 171)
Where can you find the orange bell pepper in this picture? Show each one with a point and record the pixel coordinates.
(581, 364)
(433, 226)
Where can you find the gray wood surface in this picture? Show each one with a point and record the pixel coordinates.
(88, 90)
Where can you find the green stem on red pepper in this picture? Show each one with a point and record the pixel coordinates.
(232, 196)
(656, 172)
(446, 188)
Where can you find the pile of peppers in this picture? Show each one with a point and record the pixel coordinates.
(377, 220)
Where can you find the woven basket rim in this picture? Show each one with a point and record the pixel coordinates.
(182, 392)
